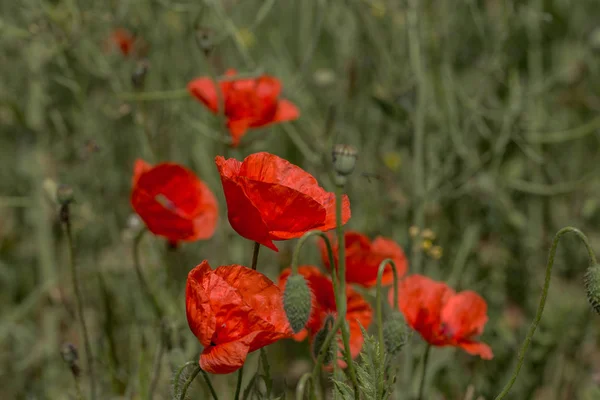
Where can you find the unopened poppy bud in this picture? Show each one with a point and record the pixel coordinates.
(70, 357)
(64, 194)
(395, 334)
(297, 302)
(592, 286)
(319, 341)
(344, 159)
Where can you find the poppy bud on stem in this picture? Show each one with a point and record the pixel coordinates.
(344, 160)
(378, 301)
(592, 289)
(64, 196)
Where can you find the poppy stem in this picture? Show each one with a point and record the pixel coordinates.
(65, 218)
(300, 243)
(424, 373)
(189, 381)
(305, 380)
(238, 387)
(255, 255)
(209, 384)
(540, 310)
(378, 302)
(341, 300)
(143, 283)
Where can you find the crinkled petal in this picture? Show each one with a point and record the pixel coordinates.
(464, 315)
(226, 358)
(477, 349)
(201, 319)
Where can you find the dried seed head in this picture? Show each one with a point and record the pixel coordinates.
(344, 159)
(297, 302)
(592, 286)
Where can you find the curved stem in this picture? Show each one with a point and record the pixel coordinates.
(209, 384)
(238, 387)
(255, 255)
(79, 303)
(177, 377)
(341, 299)
(304, 380)
(302, 240)
(424, 373)
(540, 310)
(143, 283)
(378, 310)
(189, 382)
(325, 348)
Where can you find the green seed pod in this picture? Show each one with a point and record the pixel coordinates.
(319, 340)
(297, 302)
(344, 160)
(592, 286)
(395, 334)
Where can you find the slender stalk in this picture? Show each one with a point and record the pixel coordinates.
(143, 283)
(238, 387)
(540, 309)
(416, 61)
(296, 255)
(160, 351)
(378, 307)
(424, 373)
(255, 255)
(189, 382)
(341, 300)
(209, 384)
(302, 383)
(79, 304)
(323, 353)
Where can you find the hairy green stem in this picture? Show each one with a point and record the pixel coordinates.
(189, 381)
(301, 387)
(378, 307)
(341, 299)
(79, 303)
(323, 351)
(540, 309)
(209, 384)
(255, 255)
(302, 240)
(238, 387)
(424, 371)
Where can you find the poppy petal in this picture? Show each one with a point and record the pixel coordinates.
(464, 315)
(205, 91)
(226, 358)
(139, 168)
(477, 349)
(237, 129)
(286, 111)
(243, 216)
(201, 319)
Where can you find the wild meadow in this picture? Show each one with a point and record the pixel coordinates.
(322, 199)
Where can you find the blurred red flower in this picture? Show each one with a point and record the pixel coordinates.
(123, 39)
(249, 102)
(443, 317)
(323, 304)
(363, 258)
(268, 198)
(173, 202)
(233, 311)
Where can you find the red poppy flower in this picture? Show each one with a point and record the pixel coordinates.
(233, 311)
(363, 258)
(323, 303)
(123, 39)
(443, 317)
(173, 202)
(268, 198)
(249, 102)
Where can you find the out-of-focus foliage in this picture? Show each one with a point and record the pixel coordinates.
(509, 95)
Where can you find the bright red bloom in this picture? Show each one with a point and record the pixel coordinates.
(323, 303)
(173, 202)
(249, 102)
(363, 258)
(268, 198)
(123, 39)
(233, 311)
(443, 317)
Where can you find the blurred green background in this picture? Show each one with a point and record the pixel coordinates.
(477, 119)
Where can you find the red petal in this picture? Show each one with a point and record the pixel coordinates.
(226, 358)
(286, 111)
(237, 129)
(359, 313)
(464, 315)
(204, 90)
(243, 216)
(200, 316)
(383, 248)
(421, 300)
(477, 349)
(139, 168)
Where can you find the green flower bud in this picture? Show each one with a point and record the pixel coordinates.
(319, 341)
(297, 302)
(395, 333)
(592, 286)
(344, 160)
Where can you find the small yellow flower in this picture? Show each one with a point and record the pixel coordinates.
(246, 37)
(392, 160)
(436, 252)
(426, 245)
(428, 234)
(414, 231)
